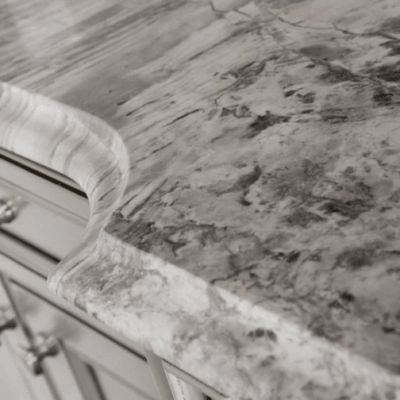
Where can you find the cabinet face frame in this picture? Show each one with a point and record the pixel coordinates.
(50, 212)
(27, 266)
(92, 339)
(39, 387)
(29, 263)
(35, 285)
(13, 384)
(76, 340)
(160, 369)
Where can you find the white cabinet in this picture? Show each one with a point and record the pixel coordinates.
(14, 341)
(56, 356)
(12, 382)
(47, 216)
(50, 350)
(113, 371)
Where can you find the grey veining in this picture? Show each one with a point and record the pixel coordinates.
(259, 222)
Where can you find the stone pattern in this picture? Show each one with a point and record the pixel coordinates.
(258, 227)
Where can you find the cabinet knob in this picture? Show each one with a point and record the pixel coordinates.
(45, 346)
(7, 319)
(8, 211)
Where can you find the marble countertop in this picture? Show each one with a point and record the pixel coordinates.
(245, 191)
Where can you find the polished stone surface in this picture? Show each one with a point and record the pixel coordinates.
(250, 232)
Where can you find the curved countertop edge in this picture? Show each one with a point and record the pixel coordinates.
(220, 339)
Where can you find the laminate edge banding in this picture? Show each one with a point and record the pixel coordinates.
(242, 350)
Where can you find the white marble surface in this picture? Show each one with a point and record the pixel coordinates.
(245, 216)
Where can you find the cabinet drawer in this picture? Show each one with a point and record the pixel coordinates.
(45, 214)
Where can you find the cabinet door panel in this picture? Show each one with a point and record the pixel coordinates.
(113, 387)
(13, 343)
(64, 381)
(117, 371)
(12, 383)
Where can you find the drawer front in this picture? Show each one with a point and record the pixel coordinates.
(41, 213)
(41, 227)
